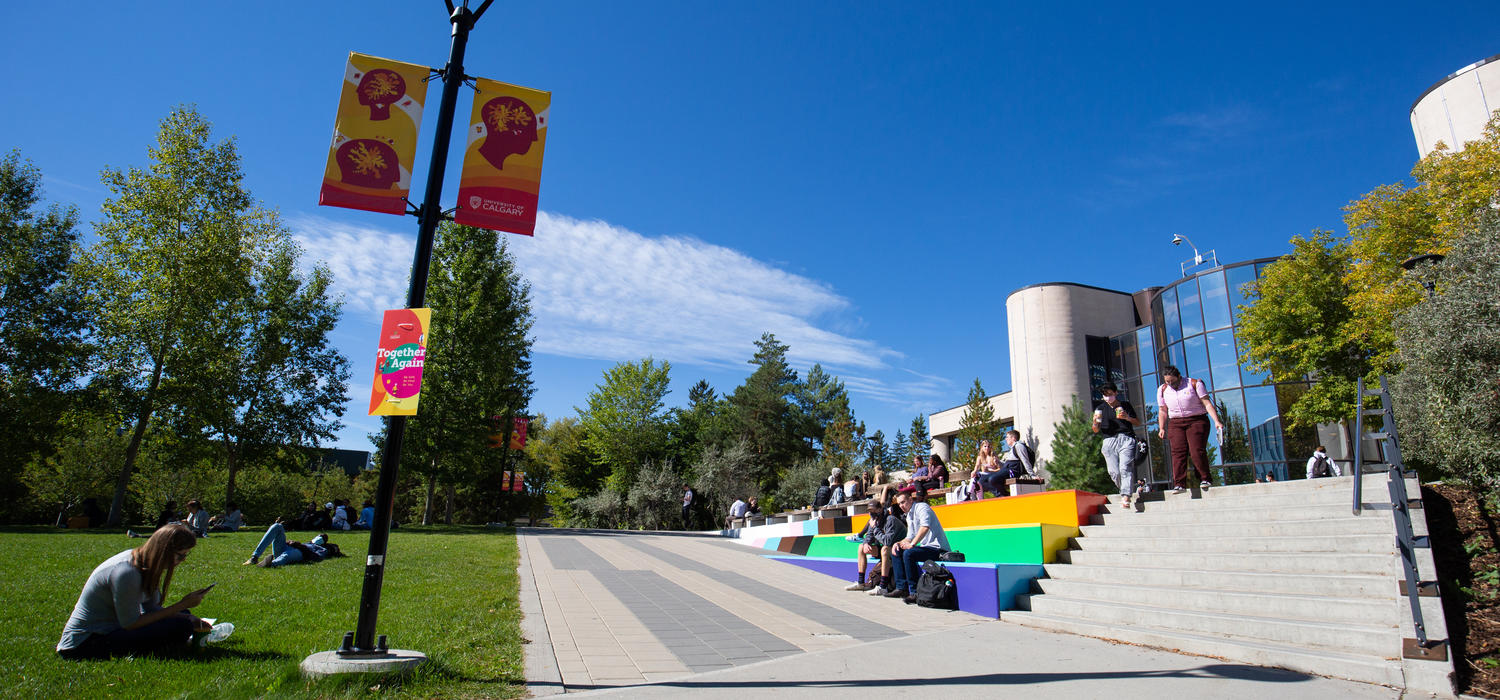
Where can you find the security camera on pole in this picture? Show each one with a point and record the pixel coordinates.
(1199, 259)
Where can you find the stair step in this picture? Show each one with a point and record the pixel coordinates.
(1299, 562)
(1368, 669)
(1213, 513)
(1345, 637)
(1233, 495)
(1129, 527)
(1348, 585)
(1362, 544)
(1295, 488)
(1327, 608)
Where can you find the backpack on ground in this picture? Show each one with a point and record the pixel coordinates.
(936, 588)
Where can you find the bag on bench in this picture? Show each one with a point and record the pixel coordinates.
(936, 588)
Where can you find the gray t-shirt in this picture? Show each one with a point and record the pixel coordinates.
(923, 516)
(111, 600)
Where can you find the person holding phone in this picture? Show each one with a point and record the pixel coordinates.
(120, 611)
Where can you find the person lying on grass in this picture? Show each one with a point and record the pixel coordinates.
(284, 552)
(120, 613)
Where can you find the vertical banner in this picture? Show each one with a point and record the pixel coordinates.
(398, 362)
(375, 135)
(518, 433)
(502, 172)
(518, 485)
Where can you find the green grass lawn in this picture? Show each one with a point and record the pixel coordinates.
(450, 592)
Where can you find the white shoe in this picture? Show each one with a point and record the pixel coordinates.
(856, 586)
(217, 633)
(1204, 484)
(1125, 505)
(878, 591)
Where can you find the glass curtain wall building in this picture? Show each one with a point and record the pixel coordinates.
(1193, 324)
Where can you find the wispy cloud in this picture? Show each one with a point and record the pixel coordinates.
(1217, 122)
(370, 266)
(604, 292)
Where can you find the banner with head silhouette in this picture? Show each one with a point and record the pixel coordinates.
(398, 363)
(375, 136)
(503, 158)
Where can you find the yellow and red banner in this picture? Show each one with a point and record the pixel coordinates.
(375, 135)
(502, 172)
(518, 433)
(398, 363)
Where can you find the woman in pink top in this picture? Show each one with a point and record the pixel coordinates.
(1185, 410)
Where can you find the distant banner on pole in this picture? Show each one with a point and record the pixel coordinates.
(502, 172)
(375, 135)
(518, 433)
(518, 485)
(398, 363)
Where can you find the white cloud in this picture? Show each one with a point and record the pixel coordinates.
(369, 266)
(604, 292)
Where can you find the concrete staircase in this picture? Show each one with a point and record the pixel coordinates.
(1277, 575)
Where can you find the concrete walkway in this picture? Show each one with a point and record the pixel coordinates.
(665, 615)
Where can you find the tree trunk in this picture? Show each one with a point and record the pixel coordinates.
(231, 457)
(448, 516)
(117, 506)
(431, 489)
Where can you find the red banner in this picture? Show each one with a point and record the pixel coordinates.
(375, 135)
(502, 173)
(518, 433)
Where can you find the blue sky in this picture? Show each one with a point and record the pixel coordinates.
(866, 180)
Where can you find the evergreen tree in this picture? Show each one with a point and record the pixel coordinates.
(976, 425)
(880, 453)
(900, 448)
(764, 414)
(1077, 462)
(820, 398)
(921, 444)
(478, 365)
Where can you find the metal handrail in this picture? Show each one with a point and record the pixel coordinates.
(1406, 542)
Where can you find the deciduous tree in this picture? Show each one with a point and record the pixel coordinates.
(624, 423)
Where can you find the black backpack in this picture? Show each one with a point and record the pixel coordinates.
(936, 588)
(1320, 467)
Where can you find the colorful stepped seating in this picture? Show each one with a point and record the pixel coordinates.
(1005, 541)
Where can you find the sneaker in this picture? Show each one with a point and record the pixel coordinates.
(1204, 484)
(856, 586)
(878, 590)
(1178, 489)
(898, 593)
(131, 533)
(217, 633)
(1125, 505)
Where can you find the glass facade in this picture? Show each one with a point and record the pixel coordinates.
(1193, 327)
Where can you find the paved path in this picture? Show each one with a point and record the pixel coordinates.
(659, 615)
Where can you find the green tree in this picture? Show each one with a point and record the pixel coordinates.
(1298, 324)
(558, 447)
(725, 475)
(900, 449)
(41, 319)
(478, 362)
(765, 414)
(625, 423)
(880, 453)
(1453, 189)
(976, 425)
(173, 257)
(822, 399)
(280, 383)
(62, 479)
(1077, 462)
(655, 497)
(1447, 394)
(921, 444)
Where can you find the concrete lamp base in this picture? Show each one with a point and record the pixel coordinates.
(328, 663)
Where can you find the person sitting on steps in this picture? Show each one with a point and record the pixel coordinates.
(870, 544)
(924, 542)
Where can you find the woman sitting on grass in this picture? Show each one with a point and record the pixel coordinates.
(284, 552)
(119, 612)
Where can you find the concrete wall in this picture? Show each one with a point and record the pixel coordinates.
(1048, 356)
(1456, 109)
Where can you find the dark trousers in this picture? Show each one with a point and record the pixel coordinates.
(163, 636)
(1189, 439)
(908, 566)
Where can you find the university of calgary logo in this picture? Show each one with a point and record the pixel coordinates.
(475, 201)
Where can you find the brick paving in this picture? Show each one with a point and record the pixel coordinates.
(623, 609)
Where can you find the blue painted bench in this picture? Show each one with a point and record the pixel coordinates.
(983, 589)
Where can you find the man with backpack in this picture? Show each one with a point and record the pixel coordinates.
(924, 542)
(1320, 465)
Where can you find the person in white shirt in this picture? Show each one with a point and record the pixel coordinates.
(1320, 464)
(736, 512)
(924, 542)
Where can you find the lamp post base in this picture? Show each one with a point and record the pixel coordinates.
(394, 661)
